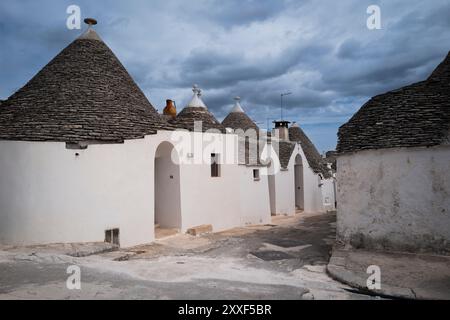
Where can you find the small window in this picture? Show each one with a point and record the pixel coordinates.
(256, 174)
(215, 166)
(112, 236)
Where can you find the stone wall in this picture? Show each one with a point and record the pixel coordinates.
(395, 199)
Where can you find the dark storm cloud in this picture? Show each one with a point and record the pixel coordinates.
(411, 48)
(217, 69)
(320, 51)
(349, 49)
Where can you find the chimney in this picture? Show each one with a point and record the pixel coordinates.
(170, 110)
(281, 130)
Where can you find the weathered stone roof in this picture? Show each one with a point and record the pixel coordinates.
(315, 160)
(238, 119)
(83, 94)
(247, 130)
(416, 115)
(284, 151)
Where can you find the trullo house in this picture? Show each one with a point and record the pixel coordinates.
(393, 169)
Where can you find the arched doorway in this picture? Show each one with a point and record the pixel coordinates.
(272, 189)
(167, 191)
(299, 185)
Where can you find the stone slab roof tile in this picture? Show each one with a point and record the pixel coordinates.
(239, 120)
(189, 115)
(284, 151)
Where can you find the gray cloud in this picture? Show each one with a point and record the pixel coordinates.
(242, 12)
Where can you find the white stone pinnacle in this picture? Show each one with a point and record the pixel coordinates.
(237, 106)
(196, 101)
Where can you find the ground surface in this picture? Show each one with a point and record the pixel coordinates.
(402, 275)
(284, 260)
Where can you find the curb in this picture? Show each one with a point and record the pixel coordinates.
(345, 267)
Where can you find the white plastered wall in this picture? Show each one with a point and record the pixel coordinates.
(49, 194)
(283, 197)
(285, 191)
(206, 199)
(254, 194)
(280, 183)
(395, 198)
(328, 192)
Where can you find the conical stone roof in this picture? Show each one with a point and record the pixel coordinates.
(417, 115)
(248, 134)
(83, 94)
(238, 119)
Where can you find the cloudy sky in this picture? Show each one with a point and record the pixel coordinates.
(321, 51)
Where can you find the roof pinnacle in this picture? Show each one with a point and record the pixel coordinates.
(90, 22)
(237, 106)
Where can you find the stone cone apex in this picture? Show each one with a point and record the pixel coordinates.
(237, 106)
(90, 34)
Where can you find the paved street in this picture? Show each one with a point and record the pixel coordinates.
(283, 260)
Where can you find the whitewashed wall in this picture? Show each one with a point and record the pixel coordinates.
(48, 194)
(328, 193)
(283, 202)
(395, 199)
(206, 199)
(280, 183)
(254, 197)
(285, 192)
(313, 197)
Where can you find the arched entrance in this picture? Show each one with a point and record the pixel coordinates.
(272, 189)
(167, 191)
(299, 185)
